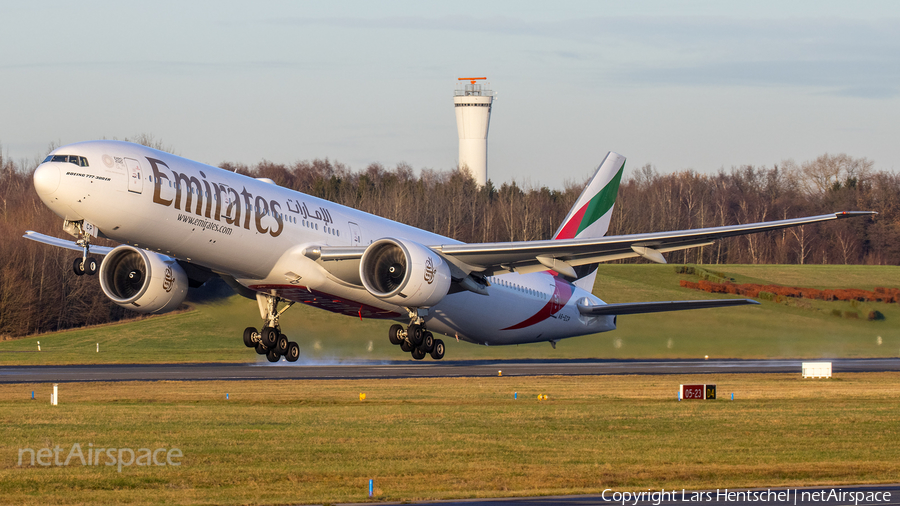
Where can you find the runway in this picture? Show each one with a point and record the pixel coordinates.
(408, 369)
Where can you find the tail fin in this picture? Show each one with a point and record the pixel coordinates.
(592, 211)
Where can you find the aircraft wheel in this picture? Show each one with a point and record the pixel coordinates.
(248, 337)
(273, 356)
(269, 337)
(282, 345)
(414, 334)
(78, 267)
(90, 268)
(438, 352)
(406, 346)
(427, 342)
(394, 334)
(293, 352)
(418, 354)
(261, 349)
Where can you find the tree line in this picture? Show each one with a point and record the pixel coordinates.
(40, 293)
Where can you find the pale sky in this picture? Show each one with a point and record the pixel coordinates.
(680, 85)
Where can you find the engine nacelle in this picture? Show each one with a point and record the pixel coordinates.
(404, 273)
(143, 281)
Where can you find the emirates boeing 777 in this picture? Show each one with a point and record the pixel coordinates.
(181, 223)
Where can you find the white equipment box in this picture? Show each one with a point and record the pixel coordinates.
(816, 369)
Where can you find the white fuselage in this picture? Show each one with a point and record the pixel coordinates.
(257, 232)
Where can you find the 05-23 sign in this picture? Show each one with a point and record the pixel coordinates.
(699, 392)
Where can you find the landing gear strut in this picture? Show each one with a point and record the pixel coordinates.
(85, 264)
(269, 340)
(415, 339)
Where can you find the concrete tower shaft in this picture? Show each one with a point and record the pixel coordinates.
(473, 103)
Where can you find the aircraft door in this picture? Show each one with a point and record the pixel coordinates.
(135, 175)
(555, 300)
(227, 203)
(355, 236)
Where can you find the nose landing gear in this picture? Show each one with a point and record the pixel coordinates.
(86, 264)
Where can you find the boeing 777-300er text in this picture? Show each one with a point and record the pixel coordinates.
(181, 223)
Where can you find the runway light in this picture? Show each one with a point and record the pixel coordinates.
(362, 396)
(54, 397)
(226, 397)
(706, 357)
(32, 395)
(732, 395)
(499, 373)
(39, 346)
(515, 395)
(98, 347)
(371, 487)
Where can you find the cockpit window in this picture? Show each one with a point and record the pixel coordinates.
(77, 160)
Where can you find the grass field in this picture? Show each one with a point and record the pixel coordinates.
(315, 441)
(211, 332)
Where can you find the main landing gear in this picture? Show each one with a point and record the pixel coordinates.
(85, 264)
(416, 340)
(269, 341)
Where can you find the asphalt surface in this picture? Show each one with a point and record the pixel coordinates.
(861, 495)
(409, 369)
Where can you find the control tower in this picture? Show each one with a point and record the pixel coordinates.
(473, 117)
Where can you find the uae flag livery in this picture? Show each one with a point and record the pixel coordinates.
(589, 217)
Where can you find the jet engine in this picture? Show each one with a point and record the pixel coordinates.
(404, 273)
(143, 281)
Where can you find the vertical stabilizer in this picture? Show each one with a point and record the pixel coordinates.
(589, 217)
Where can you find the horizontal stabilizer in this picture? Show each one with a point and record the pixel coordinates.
(659, 307)
(62, 243)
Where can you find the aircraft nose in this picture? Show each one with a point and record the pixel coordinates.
(46, 178)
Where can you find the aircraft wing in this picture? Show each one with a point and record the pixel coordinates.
(62, 243)
(563, 255)
(659, 307)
